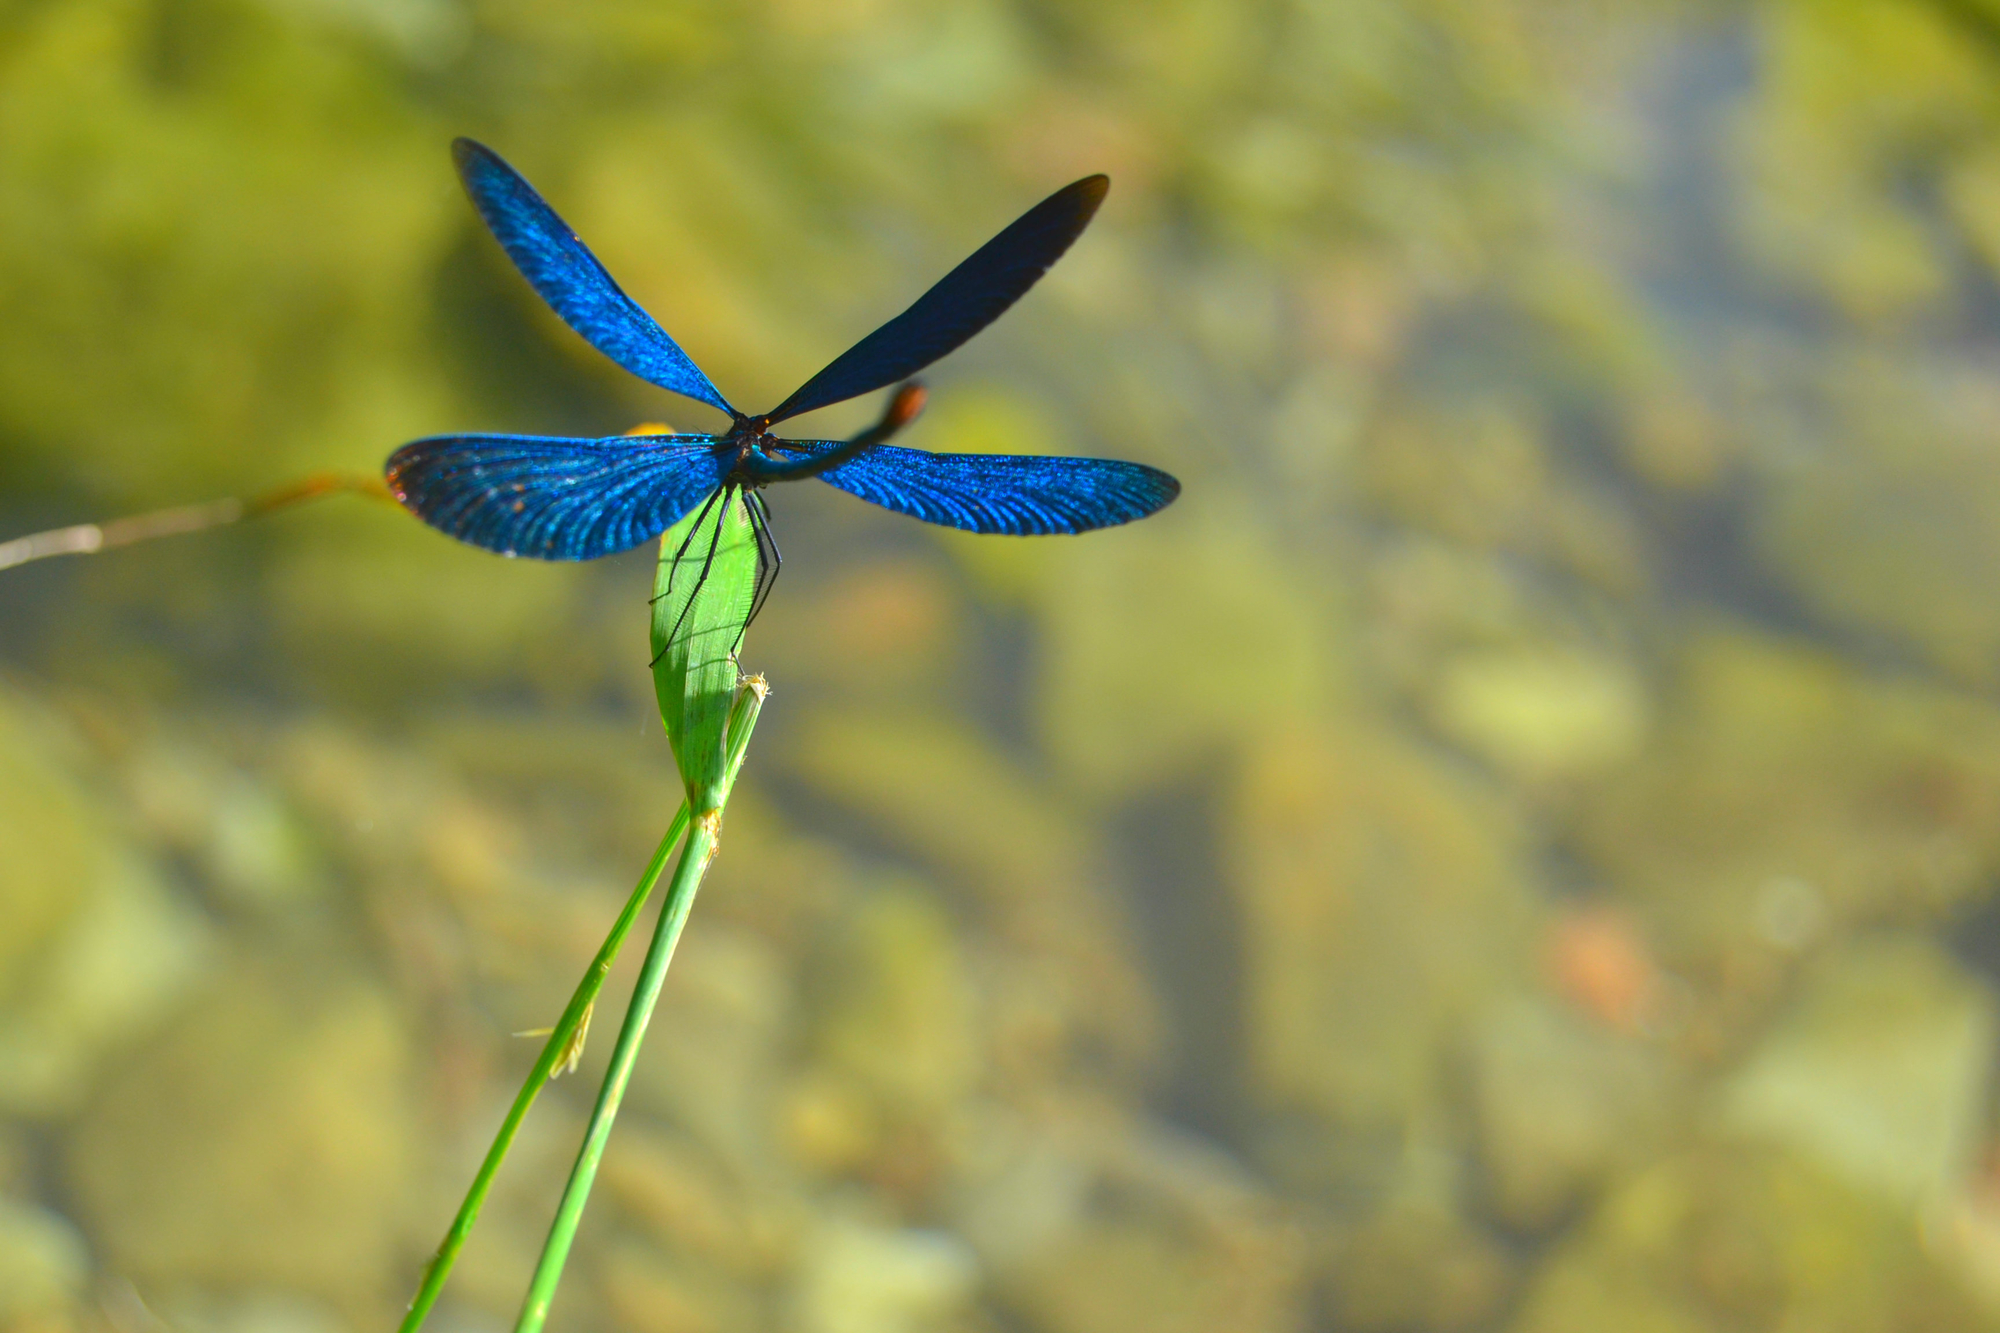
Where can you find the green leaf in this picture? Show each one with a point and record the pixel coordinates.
(702, 593)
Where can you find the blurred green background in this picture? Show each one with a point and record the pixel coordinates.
(1515, 847)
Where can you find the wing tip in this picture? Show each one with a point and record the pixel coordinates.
(393, 469)
(479, 168)
(1155, 491)
(1162, 489)
(1086, 196)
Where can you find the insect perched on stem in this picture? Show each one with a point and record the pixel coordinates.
(556, 498)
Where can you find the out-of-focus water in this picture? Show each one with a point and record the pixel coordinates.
(1514, 847)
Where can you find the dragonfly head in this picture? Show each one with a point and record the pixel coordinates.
(750, 444)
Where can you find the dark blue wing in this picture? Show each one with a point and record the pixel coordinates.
(965, 301)
(1019, 494)
(570, 279)
(553, 498)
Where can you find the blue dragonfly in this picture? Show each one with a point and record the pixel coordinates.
(555, 498)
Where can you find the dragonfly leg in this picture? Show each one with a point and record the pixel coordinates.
(708, 563)
(674, 566)
(770, 559)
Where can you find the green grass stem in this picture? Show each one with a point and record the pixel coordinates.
(557, 1049)
(696, 855)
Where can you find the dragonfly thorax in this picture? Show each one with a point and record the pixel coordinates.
(738, 455)
(754, 457)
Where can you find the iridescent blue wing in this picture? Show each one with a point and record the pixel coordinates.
(1023, 495)
(554, 498)
(965, 301)
(570, 279)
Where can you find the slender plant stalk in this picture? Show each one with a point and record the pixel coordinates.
(90, 538)
(555, 1052)
(695, 858)
(562, 1040)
